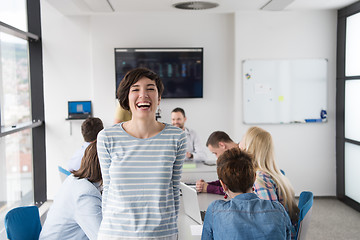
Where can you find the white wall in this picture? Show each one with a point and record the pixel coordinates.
(79, 65)
(67, 77)
(306, 152)
(212, 32)
(96, 75)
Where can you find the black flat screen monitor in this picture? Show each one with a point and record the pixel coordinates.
(180, 69)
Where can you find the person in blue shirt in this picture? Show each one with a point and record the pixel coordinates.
(245, 215)
(76, 213)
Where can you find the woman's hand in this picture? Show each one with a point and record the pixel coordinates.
(201, 185)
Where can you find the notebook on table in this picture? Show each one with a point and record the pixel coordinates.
(191, 203)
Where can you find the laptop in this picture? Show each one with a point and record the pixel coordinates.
(79, 109)
(191, 203)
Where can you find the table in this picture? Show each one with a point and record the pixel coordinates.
(198, 170)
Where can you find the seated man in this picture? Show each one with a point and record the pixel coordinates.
(245, 216)
(218, 142)
(89, 129)
(194, 150)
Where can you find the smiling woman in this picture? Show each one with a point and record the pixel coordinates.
(144, 99)
(141, 191)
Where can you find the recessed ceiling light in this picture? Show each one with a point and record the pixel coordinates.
(195, 5)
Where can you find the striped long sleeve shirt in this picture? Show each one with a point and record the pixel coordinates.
(141, 183)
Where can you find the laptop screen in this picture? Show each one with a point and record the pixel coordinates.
(79, 108)
(191, 203)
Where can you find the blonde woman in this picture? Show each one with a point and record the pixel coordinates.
(270, 183)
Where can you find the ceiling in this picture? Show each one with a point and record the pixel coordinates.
(92, 7)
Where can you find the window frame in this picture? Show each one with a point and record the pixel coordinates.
(341, 79)
(33, 36)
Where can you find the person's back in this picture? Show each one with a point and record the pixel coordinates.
(270, 183)
(76, 212)
(247, 217)
(72, 214)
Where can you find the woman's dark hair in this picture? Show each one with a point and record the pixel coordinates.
(130, 79)
(236, 170)
(90, 128)
(90, 166)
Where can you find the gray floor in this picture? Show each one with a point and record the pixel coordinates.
(332, 219)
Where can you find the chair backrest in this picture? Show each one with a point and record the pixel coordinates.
(306, 200)
(23, 223)
(63, 173)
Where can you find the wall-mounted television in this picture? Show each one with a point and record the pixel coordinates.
(180, 69)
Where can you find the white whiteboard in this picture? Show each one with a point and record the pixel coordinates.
(284, 91)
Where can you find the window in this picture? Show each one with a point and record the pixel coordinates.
(22, 132)
(352, 165)
(15, 85)
(352, 45)
(14, 13)
(347, 105)
(352, 113)
(17, 182)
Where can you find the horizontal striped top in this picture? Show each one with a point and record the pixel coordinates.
(141, 183)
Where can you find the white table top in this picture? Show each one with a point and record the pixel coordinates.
(197, 170)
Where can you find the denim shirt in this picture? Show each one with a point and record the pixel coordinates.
(246, 217)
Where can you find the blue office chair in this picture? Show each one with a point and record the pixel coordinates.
(23, 223)
(306, 200)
